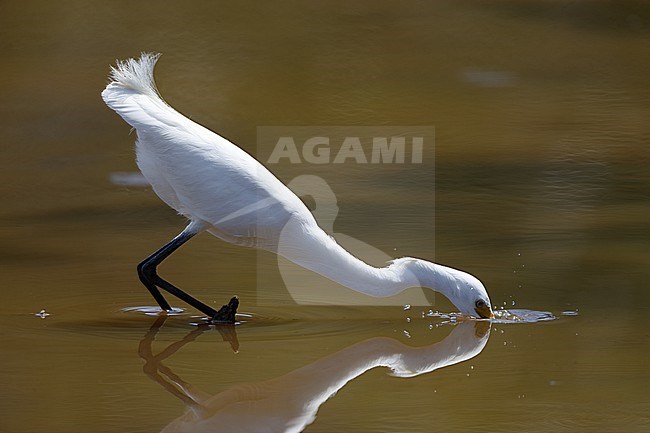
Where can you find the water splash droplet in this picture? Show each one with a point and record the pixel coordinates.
(521, 316)
(42, 314)
(570, 313)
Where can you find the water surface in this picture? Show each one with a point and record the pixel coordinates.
(537, 182)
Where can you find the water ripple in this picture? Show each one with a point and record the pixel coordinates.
(522, 316)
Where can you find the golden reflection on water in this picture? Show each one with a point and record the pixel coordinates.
(540, 167)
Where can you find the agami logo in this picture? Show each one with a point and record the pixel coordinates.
(322, 150)
(347, 145)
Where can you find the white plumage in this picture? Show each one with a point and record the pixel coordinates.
(222, 189)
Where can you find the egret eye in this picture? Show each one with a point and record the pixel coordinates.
(480, 303)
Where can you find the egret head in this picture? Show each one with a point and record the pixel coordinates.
(470, 298)
(464, 290)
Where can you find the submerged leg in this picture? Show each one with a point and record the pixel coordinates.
(151, 279)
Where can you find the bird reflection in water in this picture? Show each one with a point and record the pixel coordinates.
(290, 402)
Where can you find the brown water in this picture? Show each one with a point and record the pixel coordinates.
(540, 164)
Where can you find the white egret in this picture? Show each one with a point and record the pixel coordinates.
(222, 189)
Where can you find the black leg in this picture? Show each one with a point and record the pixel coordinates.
(153, 289)
(151, 279)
